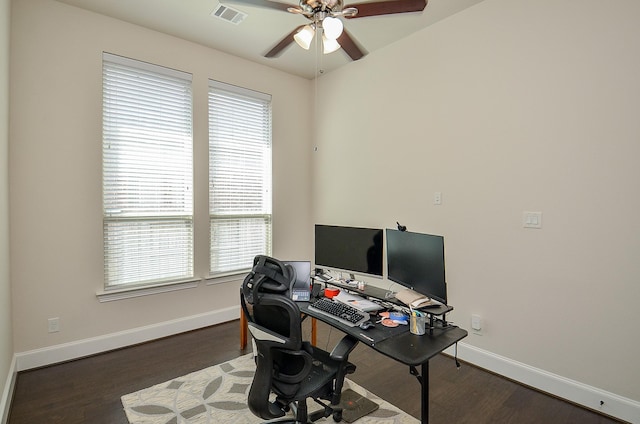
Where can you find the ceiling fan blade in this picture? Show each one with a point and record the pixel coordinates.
(283, 44)
(387, 7)
(349, 45)
(265, 4)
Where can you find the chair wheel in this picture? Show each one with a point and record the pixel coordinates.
(337, 416)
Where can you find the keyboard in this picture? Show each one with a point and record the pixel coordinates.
(348, 315)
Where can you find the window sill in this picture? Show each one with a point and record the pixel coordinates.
(225, 278)
(120, 294)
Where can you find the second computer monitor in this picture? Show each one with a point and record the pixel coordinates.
(416, 261)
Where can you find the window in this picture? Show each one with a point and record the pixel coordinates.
(148, 198)
(147, 173)
(239, 177)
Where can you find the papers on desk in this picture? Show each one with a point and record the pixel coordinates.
(357, 302)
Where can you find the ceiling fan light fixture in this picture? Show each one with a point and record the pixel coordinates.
(304, 37)
(332, 27)
(329, 45)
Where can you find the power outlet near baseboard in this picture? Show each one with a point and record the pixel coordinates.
(54, 325)
(476, 324)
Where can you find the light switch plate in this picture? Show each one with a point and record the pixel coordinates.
(532, 219)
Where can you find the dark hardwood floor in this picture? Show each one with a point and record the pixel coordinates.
(88, 390)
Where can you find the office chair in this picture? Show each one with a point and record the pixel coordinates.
(286, 365)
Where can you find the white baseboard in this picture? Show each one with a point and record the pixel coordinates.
(573, 391)
(81, 348)
(7, 393)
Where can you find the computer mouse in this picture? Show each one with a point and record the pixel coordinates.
(367, 325)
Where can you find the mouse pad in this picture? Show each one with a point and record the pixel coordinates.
(355, 406)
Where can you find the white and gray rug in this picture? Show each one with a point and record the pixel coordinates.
(218, 394)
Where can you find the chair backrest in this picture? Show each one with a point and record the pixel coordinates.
(282, 359)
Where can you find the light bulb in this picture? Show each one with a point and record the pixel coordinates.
(332, 27)
(329, 45)
(304, 37)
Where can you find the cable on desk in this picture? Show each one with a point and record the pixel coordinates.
(414, 372)
(328, 337)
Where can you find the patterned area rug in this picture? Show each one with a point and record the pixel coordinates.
(219, 395)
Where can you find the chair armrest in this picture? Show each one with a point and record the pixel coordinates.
(343, 348)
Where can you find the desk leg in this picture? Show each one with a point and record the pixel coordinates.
(243, 330)
(425, 394)
(314, 328)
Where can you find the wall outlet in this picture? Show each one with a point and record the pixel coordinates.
(54, 325)
(476, 322)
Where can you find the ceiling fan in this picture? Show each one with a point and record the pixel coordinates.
(324, 15)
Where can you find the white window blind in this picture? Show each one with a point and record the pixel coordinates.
(147, 173)
(239, 177)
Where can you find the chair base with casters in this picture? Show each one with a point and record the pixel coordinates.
(286, 365)
(323, 384)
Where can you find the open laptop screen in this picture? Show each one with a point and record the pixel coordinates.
(300, 289)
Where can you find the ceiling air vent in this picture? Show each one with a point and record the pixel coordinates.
(229, 14)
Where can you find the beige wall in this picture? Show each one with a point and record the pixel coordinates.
(55, 171)
(6, 346)
(509, 106)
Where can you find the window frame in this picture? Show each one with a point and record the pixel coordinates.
(149, 203)
(257, 106)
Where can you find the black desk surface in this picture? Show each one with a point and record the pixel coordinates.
(397, 343)
(415, 350)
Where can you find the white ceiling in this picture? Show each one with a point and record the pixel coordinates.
(263, 28)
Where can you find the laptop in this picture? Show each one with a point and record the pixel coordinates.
(300, 290)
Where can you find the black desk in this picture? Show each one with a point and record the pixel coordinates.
(404, 347)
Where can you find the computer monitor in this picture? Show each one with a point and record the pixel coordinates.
(352, 249)
(416, 261)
